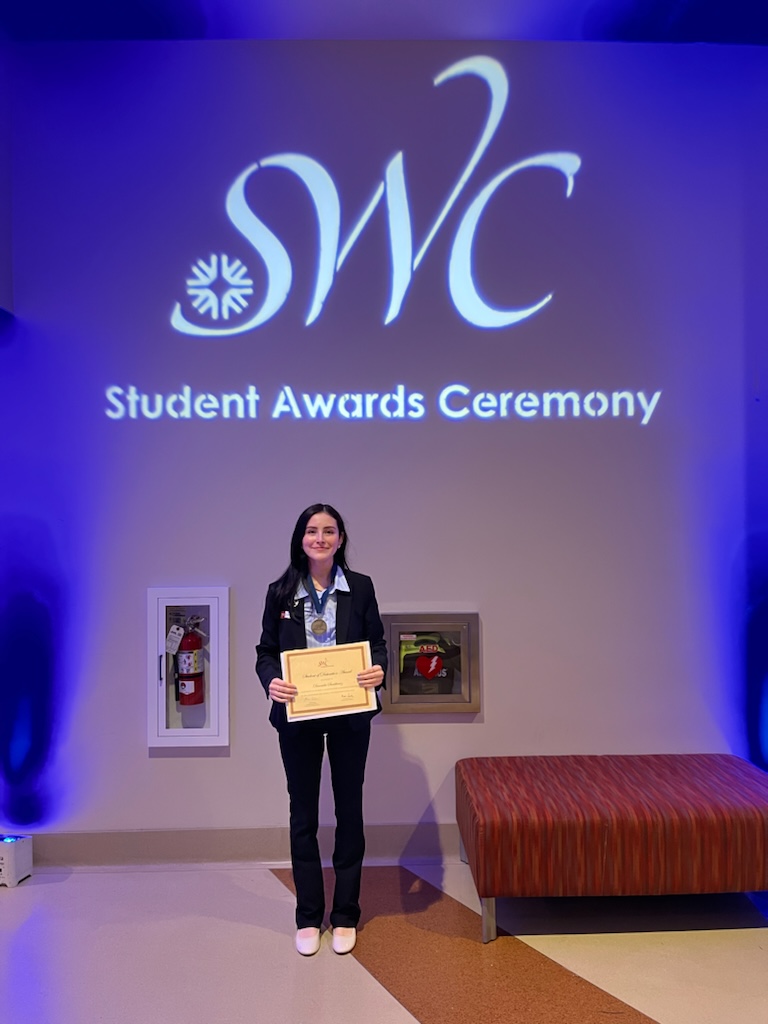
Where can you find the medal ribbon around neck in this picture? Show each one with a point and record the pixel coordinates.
(319, 626)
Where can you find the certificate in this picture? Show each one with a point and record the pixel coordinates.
(326, 678)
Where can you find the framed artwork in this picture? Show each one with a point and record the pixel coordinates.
(434, 663)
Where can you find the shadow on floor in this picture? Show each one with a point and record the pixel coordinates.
(583, 915)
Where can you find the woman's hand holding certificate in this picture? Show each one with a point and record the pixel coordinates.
(328, 681)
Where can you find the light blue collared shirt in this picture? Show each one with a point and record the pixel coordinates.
(329, 612)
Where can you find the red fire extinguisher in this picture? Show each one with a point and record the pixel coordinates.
(190, 661)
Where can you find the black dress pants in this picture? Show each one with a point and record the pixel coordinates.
(302, 752)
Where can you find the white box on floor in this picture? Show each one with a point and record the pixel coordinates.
(15, 859)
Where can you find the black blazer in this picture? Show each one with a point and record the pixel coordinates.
(357, 618)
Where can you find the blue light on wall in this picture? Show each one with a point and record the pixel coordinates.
(756, 672)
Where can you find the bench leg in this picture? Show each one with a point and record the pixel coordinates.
(488, 911)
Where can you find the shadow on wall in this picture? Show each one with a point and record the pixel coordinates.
(7, 321)
(93, 19)
(756, 653)
(31, 627)
(685, 21)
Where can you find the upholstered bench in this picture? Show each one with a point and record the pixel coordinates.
(611, 825)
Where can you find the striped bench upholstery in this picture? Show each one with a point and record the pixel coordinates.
(611, 825)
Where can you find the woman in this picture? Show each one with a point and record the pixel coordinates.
(316, 602)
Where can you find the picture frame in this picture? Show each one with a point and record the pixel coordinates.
(434, 663)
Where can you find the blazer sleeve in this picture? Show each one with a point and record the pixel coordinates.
(268, 647)
(367, 624)
(375, 629)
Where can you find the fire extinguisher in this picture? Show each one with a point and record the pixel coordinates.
(190, 663)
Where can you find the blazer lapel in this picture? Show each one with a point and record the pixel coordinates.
(297, 624)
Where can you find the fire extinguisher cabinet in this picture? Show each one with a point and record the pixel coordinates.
(180, 619)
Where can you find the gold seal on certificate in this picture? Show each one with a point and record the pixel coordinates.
(326, 678)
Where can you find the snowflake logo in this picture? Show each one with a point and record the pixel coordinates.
(219, 287)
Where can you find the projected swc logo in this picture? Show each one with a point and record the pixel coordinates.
(221, 289)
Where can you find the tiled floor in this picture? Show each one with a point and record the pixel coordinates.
(680, 960)
(213, 944)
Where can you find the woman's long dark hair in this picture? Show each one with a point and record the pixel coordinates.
(298, 570)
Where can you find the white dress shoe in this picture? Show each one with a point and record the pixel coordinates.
(344, 940)
(308, 941)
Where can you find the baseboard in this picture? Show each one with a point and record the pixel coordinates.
(390, 844)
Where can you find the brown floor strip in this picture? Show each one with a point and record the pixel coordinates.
(425, 948)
